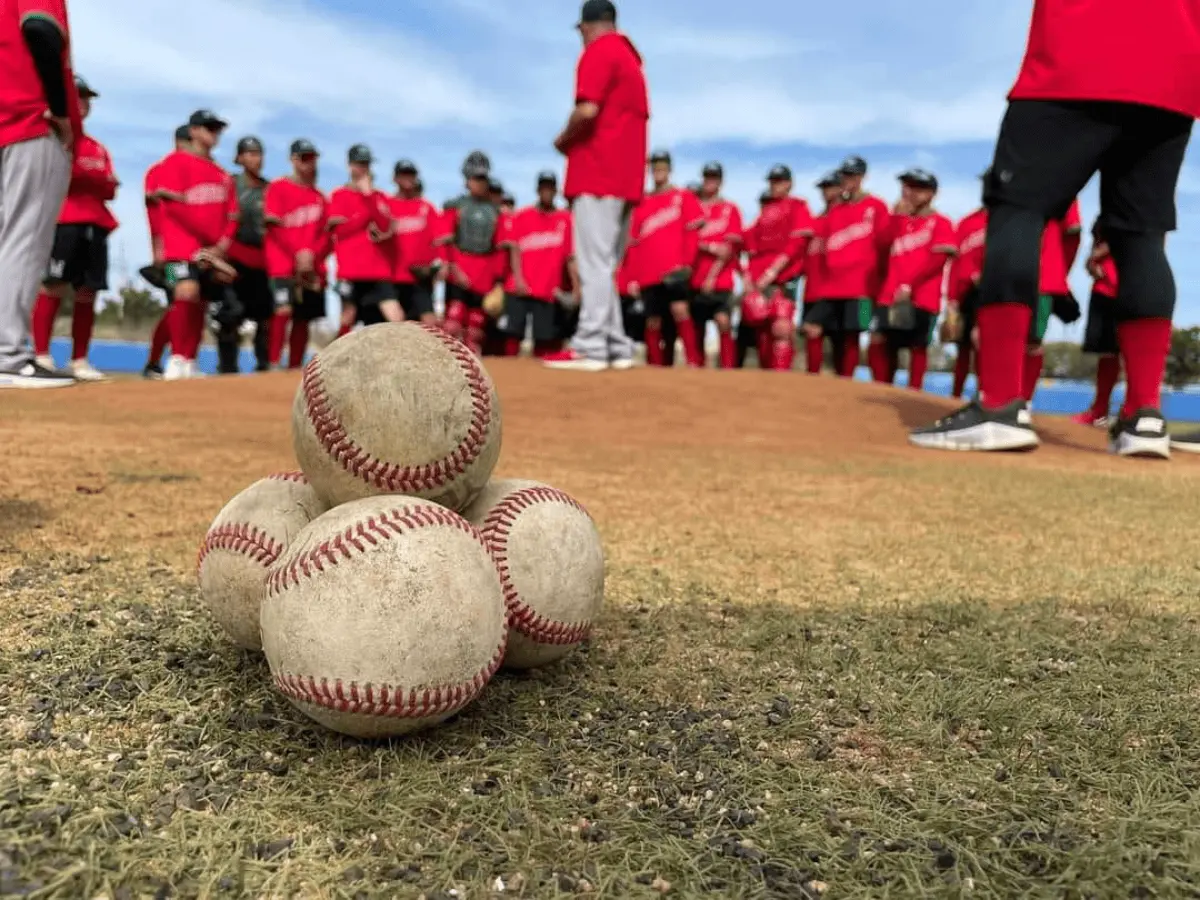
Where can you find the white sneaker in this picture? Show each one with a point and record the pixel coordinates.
(176, 369)
(193, 371)
(32, 376)
(46, 361)
(84, 371)
(621, 365)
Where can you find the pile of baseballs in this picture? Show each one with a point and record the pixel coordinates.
(390, 578)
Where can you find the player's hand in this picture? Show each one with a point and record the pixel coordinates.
(521, 285)
(904, 292)
(375, 234)
(722, 251)
(976, 278)
(62, 128)
(304, 262)
(635, 290)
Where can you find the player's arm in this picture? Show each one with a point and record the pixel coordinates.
(693, 222)
(45, 38)
(172, 192)
(1072, 235)
(273, 213)
(233, 213)
(348, 215)
(942, 250)
(593, 82)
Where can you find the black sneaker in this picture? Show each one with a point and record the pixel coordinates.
(1186, 443)
(1142, 434)
(152, 372)
(31, 376)
(976, 428)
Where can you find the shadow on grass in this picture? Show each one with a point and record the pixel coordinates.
(19, 516)
(729, 750)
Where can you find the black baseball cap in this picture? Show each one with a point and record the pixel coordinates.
(830, 179)
(547, 177)
(360, 153)
(853, 165)
(661, 155)
(303, 147)
(597, 11)
(183, 133)
(206, 118)
(406, 167)
(764, 198)
(509, 200)
(494, 186)
(779, 173)
(249, 144)
(476, 165)
(83, 88)
(918, 178)
(713, 169)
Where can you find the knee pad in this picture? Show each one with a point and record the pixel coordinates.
(1146, 285)
(456, 311)
(1014, 250)
(781, 329)
(783, 308)
(476, 318)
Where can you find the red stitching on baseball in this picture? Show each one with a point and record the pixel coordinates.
(386, 700)
(297, 477)
(240, 537)
(496, 528)
(389, 477)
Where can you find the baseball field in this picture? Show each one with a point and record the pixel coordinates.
(829, 664)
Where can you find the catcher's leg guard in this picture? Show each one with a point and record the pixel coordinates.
(456, 318)
(476, 329)
(765, 347)
(783, 333)
(227, 350)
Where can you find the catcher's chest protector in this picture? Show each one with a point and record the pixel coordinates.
(250, 218)
(476, 229)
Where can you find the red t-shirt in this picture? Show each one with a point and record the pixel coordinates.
(350, 216)
(22, 99)
(609, 159)
(666, 227)
(415, 221)
(722, 225)
(93, 184)
(856, 244)
(1124, 50)
(779, 234)
(295, 215)
(971, 238)
(1060, 243)
(545, 242)
(814, 262)
(208, 213)
(1106, 284)
(921, 247)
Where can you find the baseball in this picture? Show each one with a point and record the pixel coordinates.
(245, 538)
(386, 616)
(397, 408)
(551, 563)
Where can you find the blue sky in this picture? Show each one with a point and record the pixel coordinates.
(750, 84)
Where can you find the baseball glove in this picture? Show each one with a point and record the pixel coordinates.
(493, 302)
(220, 270)
(950, 331)
(1066, 308)
(153, 276)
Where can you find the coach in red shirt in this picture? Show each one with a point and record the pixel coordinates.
(605, 145)
(1108, 86)
(39, 121)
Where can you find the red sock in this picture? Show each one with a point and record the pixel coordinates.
(512, 346)
(849, 356)
(83, 323)
(1032, 373)
(542, 349)
(877, 359)
(918, 362)
(297, 344)
(1108, 370)
(187, 328)
(962, 369)
(728, 352)
(1003, 335)
(654, 346)
(814, 353)
(1144, 346)
(45, 311)
(783, 354)
(691, 345)
(277, 337)
(160, 338)
(765, 349)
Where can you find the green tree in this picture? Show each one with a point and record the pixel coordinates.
(131, 308)
(1067, 360)
(1183, 360)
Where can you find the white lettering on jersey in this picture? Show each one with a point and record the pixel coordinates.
(914, 240)
(661, 219)
(301, 216)
(851, 233)
(973, 241)
(212, 192)
(544, 240)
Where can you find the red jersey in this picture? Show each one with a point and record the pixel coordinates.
(204, 210)
(153, 207)
(971, 238)
(22, 100)
(295, 216)
(1106, 284)
(666, 228)
(1132, 52)
(814, 262)
(857, 241)
(779, 235)
(609, 159)
(481, 271)
(415, 221)
(93, 184)
(351, 214)
(722, 226)
(921, 247)
(1060, 244)
(545, 241)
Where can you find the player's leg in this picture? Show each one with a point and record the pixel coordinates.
(855, 319)
(782, 327)
(878, 352)
(1035, 354)
(656, 308)
(455, 320)
(258, 303)
(475, 332)
(518, 311)
(701, 310)
(1045, 153)
(813, 323)
(187, 318)
(311, 306)
(387, 301)
(918, 340)
(423, 303)
(62, 269)
(633, 318)
(546, 321)
(681, 315)
(1100, 338)
(965, 344)
(286, 294)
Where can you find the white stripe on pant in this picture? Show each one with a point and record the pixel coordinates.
(33, 182)
(600, 224)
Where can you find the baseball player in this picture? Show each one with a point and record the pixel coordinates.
(822, 316)
(665, 226)
(79, 257)
(153, 273)
(360, 220)
(470, 229)
(777, 251)
(414, 221)
(252, 287)
(719, 248)
(963, 291)
(540, 244)
(39, 124)
(1060, 246)
(1100, 333)
(199, 219)
(297, 242)
(633, 311)
(748, 336)
(910, 298)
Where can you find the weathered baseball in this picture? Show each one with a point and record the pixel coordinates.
(397, 408)
(384, 617)
(551, 563)
(245, 538)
